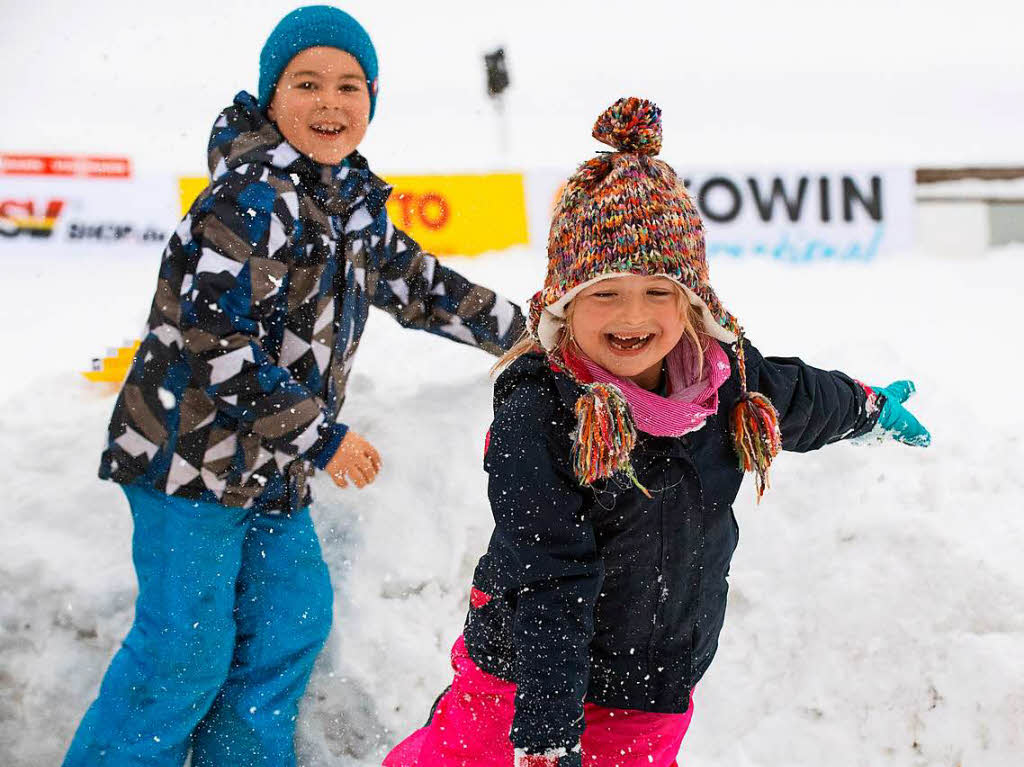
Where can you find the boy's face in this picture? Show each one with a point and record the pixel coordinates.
(627, 325)
(321, 104)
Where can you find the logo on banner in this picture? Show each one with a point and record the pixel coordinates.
(65, 166)
(795, 215)
(33, 218)
(455, 214)
(721, 199)
(110, 231)
(429, 209)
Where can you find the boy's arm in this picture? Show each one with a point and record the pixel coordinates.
(419, 292)
(241, 236)
(539, 516)
(816, 407)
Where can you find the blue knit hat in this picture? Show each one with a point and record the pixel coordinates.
(309, 27)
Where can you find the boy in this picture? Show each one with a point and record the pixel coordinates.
(232, 402)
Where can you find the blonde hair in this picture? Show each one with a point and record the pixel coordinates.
(693, 328)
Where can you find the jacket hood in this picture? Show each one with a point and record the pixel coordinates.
(243, 134)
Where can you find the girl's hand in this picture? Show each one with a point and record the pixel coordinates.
(356, 460)
(896, 419)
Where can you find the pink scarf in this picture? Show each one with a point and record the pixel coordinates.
(690, 400)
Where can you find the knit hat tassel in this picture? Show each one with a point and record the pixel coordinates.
(755, 430)
(604, 436)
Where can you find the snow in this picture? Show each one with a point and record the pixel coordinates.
(875, 610)
(874, 614)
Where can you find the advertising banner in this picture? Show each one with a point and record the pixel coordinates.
(66, 202)
(465, 214)
(786, 215)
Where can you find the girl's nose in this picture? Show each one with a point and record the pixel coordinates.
(633, 310)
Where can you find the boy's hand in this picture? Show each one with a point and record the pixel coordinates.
(356, 460)
(896, 419)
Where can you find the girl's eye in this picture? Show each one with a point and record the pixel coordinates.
(306, 85)
(659, 293)
(603, 295)
(349, 88)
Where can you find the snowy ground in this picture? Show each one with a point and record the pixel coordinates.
(875, 607)
(875, 616)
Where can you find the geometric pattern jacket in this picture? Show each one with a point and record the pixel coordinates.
(262, 296)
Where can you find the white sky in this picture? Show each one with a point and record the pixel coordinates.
(789, 81)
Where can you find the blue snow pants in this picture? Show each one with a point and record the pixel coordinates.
(233, 608)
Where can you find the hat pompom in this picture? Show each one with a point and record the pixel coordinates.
(631, 125)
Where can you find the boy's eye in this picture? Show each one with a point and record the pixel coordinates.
(659, 292)
(603, 294)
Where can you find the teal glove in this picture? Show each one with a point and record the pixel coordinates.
(896, 419)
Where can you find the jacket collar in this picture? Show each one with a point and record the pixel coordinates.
(569, 390)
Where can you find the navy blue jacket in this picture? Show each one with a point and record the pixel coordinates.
(602, 594)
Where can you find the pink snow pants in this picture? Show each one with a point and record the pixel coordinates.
(472, 721)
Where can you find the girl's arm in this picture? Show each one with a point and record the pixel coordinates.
(419, 292)
(539, 517)
(816, 407)
(239, 237)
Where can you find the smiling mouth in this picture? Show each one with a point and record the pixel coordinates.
(628, 342)
(327, 130)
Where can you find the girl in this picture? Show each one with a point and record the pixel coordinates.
(613, 466)
(233, 402)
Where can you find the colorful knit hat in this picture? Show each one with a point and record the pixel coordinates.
(627, 213)
(309, 27)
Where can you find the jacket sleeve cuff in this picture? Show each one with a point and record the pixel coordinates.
(556, 757)
(874, 401)
(325, 448)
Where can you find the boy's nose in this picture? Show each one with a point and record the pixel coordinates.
(328, 97)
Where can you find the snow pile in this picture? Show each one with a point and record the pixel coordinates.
(875, 607)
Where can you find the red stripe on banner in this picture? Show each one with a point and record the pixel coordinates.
(65, 165)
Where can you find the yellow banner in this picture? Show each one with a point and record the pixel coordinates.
(464, 214)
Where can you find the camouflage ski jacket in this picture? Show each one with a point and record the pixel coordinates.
(262, 296)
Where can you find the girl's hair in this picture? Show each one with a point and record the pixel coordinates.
(693, 329)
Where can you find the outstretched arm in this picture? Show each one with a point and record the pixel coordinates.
(815, 406)
(419, 292)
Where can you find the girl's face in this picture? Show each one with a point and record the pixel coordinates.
(321, 104)
(628, 324)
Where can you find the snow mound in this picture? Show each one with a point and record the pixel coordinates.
(875, 607)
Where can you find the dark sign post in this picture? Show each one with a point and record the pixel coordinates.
(497, 83)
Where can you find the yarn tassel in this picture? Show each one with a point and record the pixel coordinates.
(755, 429)
(756, 436)
(604, 437)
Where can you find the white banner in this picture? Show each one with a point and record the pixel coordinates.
(68, 213)
(789, 215)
